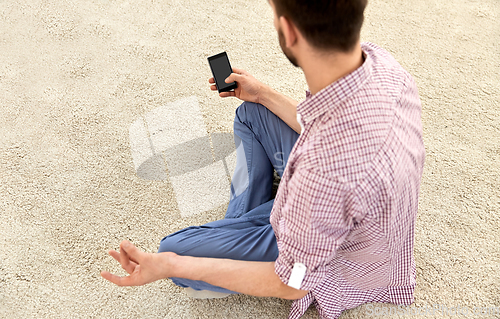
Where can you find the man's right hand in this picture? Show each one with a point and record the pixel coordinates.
(249, 89)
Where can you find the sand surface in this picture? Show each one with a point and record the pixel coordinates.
(75, 76)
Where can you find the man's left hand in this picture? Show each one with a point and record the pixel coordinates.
(142, 267)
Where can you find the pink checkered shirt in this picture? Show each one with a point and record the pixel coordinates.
(347, 202)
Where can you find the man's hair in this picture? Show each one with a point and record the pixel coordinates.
(326, 24)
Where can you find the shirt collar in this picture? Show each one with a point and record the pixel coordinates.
(332, 95)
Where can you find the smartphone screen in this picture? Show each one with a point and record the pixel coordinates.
(221, 69)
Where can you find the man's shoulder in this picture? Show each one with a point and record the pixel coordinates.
(350, 136)
(386, 72)
(381, 58)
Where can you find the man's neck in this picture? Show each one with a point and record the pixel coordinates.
(321, 71)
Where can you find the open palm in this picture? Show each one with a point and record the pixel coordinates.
(142, 267)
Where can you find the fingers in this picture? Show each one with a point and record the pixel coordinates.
(234, 77)
(109, 276)
(129, 256)
(125, 261)
(239, 71)
(227, 94)
(213, 87)
(117, 280)
(116, 255)
(235, 71)
(132, 251)
(222, 94)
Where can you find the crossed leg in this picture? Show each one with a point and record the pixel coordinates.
(263, 144)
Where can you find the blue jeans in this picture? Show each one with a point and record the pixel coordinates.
(263, 144)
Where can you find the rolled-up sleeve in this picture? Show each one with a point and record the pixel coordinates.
(313, 223)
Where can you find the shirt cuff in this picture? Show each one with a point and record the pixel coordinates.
(311, 279)
(299, 119)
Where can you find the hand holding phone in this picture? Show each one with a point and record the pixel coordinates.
(221, 70)
(249, 89)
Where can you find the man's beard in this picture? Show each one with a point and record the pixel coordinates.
(285, 50)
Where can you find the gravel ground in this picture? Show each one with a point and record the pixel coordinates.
(74, 76)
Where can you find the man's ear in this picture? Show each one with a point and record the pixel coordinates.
(289, 31)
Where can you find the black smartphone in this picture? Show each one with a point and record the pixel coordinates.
(221, 69)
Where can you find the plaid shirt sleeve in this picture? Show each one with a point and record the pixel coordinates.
(313, 223)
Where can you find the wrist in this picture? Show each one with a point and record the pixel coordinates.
(263, 97)
(169, 263)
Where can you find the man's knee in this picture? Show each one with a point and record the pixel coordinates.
(175, 242)
(248, 110)
(167, 244)
(185, 242)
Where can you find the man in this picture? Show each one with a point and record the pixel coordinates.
(340, 231)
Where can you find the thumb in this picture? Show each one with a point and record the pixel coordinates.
(234, 77)
(131, 250)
